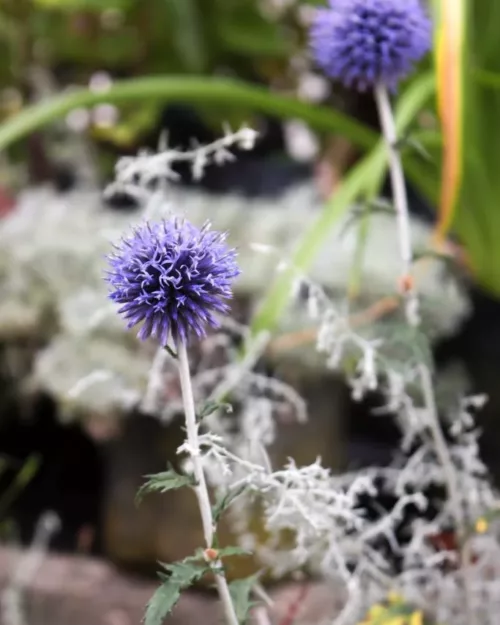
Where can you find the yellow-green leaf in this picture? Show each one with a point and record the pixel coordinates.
(450, 40)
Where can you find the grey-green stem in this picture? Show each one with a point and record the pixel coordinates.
(400, 198)
(201, 488)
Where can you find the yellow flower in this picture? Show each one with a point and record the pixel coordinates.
(481, 526)
(417, 618)
(394, 597)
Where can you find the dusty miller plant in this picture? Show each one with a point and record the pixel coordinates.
(173, 279)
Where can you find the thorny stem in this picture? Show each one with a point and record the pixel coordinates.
(404, 231)
(400, 200)
(201, 488)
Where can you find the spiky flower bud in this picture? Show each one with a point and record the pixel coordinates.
(365, 42)
(173, 278)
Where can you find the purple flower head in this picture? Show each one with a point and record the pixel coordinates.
(365, 42)
(172, 277)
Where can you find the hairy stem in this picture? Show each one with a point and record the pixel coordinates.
(400, 200)
(452, 482)
(404, 235)
(441, 447)
(201, 488)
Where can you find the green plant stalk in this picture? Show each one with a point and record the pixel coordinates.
(201, 488)
(228, 91)
(367, 174)
(22, 479)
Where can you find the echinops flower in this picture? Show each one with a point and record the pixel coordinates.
(173, 278)
(367, 42)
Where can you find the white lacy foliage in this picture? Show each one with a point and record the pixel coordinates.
(315, 520)
(330, 533)
(51, 285)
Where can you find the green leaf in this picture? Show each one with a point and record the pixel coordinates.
(182, 575)
(233, 551)
(22, 479)
(162, 603)
(163, 482)
(417, 146)
(225, 501)
(250, 34)
(240, 594)
(212, 406)
(367, 208)
(188, 37)
(84, 5)
(230, 92)
(187, 571)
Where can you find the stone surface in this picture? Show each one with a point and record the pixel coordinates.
(67, 590)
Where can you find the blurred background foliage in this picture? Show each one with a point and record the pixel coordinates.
(74, 39)
(99, 45)
(461, 179)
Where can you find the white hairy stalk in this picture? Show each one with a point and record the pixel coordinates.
(201, 488)
(400, 200)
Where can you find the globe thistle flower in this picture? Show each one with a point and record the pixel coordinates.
(367, 42)
(172, 277)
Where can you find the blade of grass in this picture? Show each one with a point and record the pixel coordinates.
(187, 89)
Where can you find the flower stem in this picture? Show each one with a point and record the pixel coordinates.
(201, 488)
(400, 200)
(404, 232)
(441, 447)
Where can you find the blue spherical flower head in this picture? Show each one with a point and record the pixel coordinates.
(173, 278)
(367, 42)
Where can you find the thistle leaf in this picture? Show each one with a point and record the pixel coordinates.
(161, 603)
(240, 593)
(162, 482)
(225, 501)
(182, 575)
(233, 551)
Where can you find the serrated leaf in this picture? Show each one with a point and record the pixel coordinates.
(187, 571)
(163, 482)
(182, 575)
(225, 501)
(162, 603)
(240, 594)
